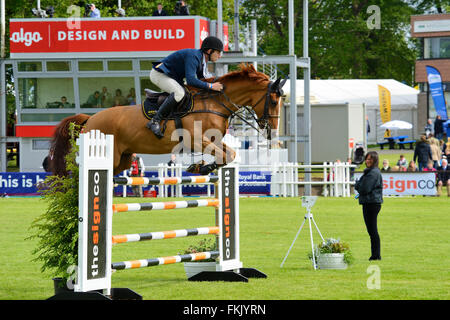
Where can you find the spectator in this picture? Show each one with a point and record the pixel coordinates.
(386, 166)
(443, 145)
(430, 167)
(159, 11)
(438, 128)
(137, 170)
(370, 190)
(181, 9)
(352, 169)
(64, 103)
(94, 100)
(107, 100)
(443, 177)
(396, 169)
(422, 153)
(95, 13)
(173, 160)
(367, 129)
(412, 167)
(436, 152)
(131, 97)
(446, 154)
(402, 163)
(119, 99)
(429, 128)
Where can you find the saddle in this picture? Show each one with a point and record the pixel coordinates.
(154, 99)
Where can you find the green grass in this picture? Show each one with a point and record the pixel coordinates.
(414, 241)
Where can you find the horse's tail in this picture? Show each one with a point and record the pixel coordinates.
(60, 145)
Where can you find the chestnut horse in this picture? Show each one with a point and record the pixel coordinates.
(245, 87)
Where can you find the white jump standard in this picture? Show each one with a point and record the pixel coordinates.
(95, 224)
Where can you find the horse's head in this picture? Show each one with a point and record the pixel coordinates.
(253, 88)
(268, 110)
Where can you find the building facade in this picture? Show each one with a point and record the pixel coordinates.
(433, 32)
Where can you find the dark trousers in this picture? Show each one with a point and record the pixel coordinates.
(370, 213)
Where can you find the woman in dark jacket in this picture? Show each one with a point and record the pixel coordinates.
(370, 189)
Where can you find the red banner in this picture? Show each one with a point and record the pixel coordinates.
(38, 38)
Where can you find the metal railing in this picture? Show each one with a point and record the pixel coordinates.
(335, 177)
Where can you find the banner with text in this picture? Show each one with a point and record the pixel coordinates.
(407, 183)
(437, 92)
(84, 37)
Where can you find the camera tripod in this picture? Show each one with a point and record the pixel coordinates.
(307, 202)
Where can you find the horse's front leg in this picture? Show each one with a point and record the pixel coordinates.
(221, 152)
(222, 155)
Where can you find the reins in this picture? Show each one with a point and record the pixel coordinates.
(262, 122)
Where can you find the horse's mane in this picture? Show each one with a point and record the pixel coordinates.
(245, 71)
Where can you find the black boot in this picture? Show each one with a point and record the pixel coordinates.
(163, 111)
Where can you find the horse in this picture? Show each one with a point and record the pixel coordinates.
(211, 110)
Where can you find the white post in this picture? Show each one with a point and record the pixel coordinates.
(95, 211)
(325, 186)
(228, 216)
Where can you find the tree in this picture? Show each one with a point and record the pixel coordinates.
(343, 40)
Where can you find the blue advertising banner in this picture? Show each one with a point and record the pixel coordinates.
(437, 92)
(20, 183)
(201, 189)
(26, 183)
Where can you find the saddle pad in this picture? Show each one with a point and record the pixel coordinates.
(154, 100)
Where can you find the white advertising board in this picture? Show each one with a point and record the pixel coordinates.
(407, 183)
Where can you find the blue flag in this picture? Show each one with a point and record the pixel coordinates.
(437, 93)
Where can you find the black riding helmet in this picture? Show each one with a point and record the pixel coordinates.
(212, 43)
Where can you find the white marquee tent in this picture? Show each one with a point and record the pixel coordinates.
(365, 91)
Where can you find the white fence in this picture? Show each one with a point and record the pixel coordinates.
(336, 178)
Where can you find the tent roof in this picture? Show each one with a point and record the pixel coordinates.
(354, 91)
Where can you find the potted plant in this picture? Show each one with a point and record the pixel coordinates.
(56, 230)
(193, 267)
(332, 254)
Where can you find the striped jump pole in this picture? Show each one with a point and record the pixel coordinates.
(135, 181)
(164, 234)
(124, 207)
(134, 264)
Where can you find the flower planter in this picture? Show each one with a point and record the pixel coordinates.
(192, 268)
(331, 261)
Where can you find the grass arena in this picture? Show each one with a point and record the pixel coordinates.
(414, 243)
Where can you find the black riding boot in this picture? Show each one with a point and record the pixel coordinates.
(163, 111)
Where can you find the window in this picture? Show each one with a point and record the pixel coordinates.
(434, 48)
(145, 65)
(120, 65)
(29, 66)
(42, 93)
(58, 66)
(44, 117)
(41, 144)
(106, 92)
(90, 65)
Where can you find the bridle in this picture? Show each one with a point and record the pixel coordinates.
(263, 122)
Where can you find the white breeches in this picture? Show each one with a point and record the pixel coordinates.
(167, 84)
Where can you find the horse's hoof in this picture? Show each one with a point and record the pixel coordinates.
(207, 169)
(195, 167)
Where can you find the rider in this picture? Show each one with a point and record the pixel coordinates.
(168, 75)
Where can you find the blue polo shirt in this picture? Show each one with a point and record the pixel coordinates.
(185, 63)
